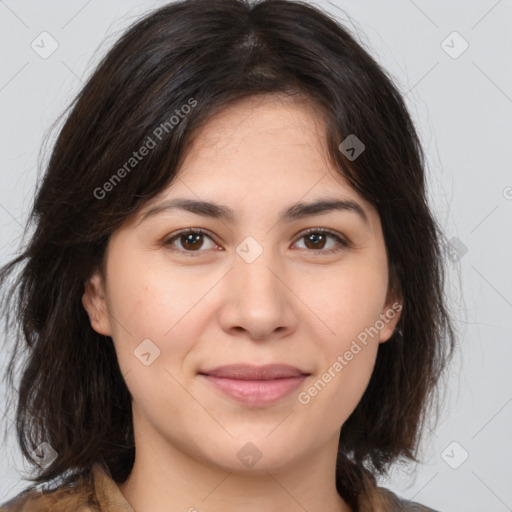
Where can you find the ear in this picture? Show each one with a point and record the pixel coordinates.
(94, 302)
(390, 316)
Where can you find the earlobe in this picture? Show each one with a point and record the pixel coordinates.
(390, 317)
(95, 304)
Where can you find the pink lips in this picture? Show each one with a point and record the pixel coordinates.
(255, 385)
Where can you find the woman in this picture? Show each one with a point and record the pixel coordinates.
(233, 297)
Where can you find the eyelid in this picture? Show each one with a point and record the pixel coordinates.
(341, 239)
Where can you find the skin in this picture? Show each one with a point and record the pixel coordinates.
(291, 305)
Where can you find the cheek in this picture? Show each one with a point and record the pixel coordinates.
(331, 397)
(340, 384)
(144, 298)
(349, 300)
(150, 350)
(143, 306)
(350, 308)
(155, 304)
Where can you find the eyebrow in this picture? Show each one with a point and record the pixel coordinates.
(294, 212)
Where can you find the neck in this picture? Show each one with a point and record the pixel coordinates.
(165, 478)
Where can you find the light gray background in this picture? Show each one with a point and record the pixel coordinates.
(463, 109)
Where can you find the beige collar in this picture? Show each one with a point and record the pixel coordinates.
(108, 493)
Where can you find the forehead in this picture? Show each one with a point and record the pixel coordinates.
(267, 125)
(259, 154)
(270, 140)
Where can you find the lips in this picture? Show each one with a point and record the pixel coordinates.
(255, 385)
(252, 372)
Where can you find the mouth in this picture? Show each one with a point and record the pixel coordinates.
(255, 385)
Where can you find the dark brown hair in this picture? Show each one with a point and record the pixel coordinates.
(71, 393)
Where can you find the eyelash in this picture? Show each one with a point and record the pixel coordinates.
(344, 243)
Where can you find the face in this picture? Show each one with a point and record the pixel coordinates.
(254, 288)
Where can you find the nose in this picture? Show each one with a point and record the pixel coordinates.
(258, 299)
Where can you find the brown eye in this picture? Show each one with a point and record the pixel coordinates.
(190, 241)
(316, 240)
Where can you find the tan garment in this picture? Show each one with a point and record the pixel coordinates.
(101, 494)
